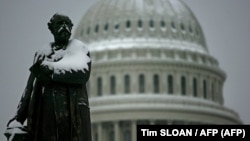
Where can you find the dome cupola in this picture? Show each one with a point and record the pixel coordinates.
(143, 22)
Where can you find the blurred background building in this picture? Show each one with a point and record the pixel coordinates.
(150, 65)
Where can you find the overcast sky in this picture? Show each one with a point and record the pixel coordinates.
(23, 29)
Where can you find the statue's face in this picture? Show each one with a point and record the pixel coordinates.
(62, 29)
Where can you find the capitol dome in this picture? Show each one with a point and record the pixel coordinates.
(142, 21)
(151, 65)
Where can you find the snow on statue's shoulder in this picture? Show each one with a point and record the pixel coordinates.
(75, 58)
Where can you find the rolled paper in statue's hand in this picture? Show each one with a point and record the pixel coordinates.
(16, 132)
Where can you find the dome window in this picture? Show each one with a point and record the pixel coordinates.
(182, 27)
(205, 88)
(213, 91)
(170, 84)
(151, 24)
(156, 84)
(96, 28)
(173, 25)
(112, 85)
(128, 24)
(117, 26)
(127, 84)
(183, 85)
(106, 27)
(195, 87)
(163, 24)
(99, 86)
(140, 24)
(141, 83)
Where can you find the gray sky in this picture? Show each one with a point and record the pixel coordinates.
(23, 29)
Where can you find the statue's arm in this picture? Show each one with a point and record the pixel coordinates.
(73, 77)
(22, 109)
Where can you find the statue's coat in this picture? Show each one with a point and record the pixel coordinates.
(59, 110)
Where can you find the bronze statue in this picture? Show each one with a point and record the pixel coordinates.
(55, 101)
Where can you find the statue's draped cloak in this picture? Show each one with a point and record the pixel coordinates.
(58, 111)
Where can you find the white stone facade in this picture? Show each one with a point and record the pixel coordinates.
(150, 65)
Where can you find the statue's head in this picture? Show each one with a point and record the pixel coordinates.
(60, 26)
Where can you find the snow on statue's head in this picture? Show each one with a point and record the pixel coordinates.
(60, 26)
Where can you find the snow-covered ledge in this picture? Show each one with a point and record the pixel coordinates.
(163, 103)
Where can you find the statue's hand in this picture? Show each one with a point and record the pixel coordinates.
(42, 72)
(45, 69)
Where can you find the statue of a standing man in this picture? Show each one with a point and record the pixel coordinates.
(55, 101)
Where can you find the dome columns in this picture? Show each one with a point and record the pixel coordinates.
(156, 81)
